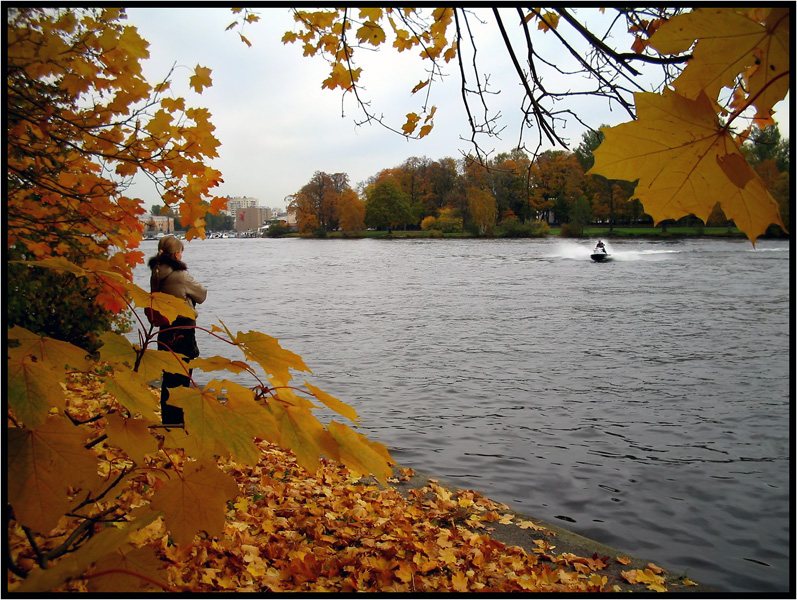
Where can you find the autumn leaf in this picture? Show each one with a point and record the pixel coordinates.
(56, 263)
(56, 353)
(360, 454)
(131, 435)
(299, 431)
(117, 350)
(548, 21)
(130, 390)
(333, 403)
(411, 124)
(371, 32)
(219, 363)
(232, 424)
(420, 86)
(730, 42)
(372, 14)
(33, 388)
(652, 580)
(42, 463)
(267, 352)
(154, 362)
(341, 77)
(682, 156)
(460, 582)
(195, 500)
(169, 306)
(201, 79)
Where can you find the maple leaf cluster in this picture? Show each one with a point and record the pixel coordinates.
(82, 121)
(325, 32)
(684, 157)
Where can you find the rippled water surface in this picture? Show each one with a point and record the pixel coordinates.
(643, 403)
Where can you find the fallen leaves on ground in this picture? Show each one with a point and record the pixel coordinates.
(288, 530)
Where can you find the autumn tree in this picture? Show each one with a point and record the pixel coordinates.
(557, 178)
(82, 477)
(483, 209)
(351, 211)
(316, 204)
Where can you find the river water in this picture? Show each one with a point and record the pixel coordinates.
(643, 403)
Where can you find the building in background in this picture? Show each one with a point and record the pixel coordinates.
(251, 219)
(234, 204)
(157, 223)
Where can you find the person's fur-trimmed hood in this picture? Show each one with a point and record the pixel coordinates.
(163, 259)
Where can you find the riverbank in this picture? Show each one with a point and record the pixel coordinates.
(618, 233)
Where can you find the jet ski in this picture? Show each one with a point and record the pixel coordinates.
(600, 254)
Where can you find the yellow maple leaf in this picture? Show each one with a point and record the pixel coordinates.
(268, 353)
(360, 454)
(232, 425)
(372, 33)
(219, 363)
(411, 124)
(530, 525)
(42, 463)
(333, 403)
(299, 431)
(372, 13)
(549, 20)
(685, 163)
(403, 40)
(460, 582)
(201, 79)
(195, 501)
(652, 580)
(131, 435)
(728, 42)
(341, 77)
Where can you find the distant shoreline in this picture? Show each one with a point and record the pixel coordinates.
(618, 233)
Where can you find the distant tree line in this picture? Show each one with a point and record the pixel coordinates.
(509, 194)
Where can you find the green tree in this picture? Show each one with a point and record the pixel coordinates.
(768, 144)
(580, 215)
(386, 205)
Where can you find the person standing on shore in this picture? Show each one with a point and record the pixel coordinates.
(170, 276)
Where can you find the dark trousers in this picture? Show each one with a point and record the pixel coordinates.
(172, 415)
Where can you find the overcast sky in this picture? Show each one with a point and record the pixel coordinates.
(277, 126)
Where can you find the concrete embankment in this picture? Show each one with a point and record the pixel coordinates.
(565, 542)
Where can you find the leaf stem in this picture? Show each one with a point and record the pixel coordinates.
(132, 574)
